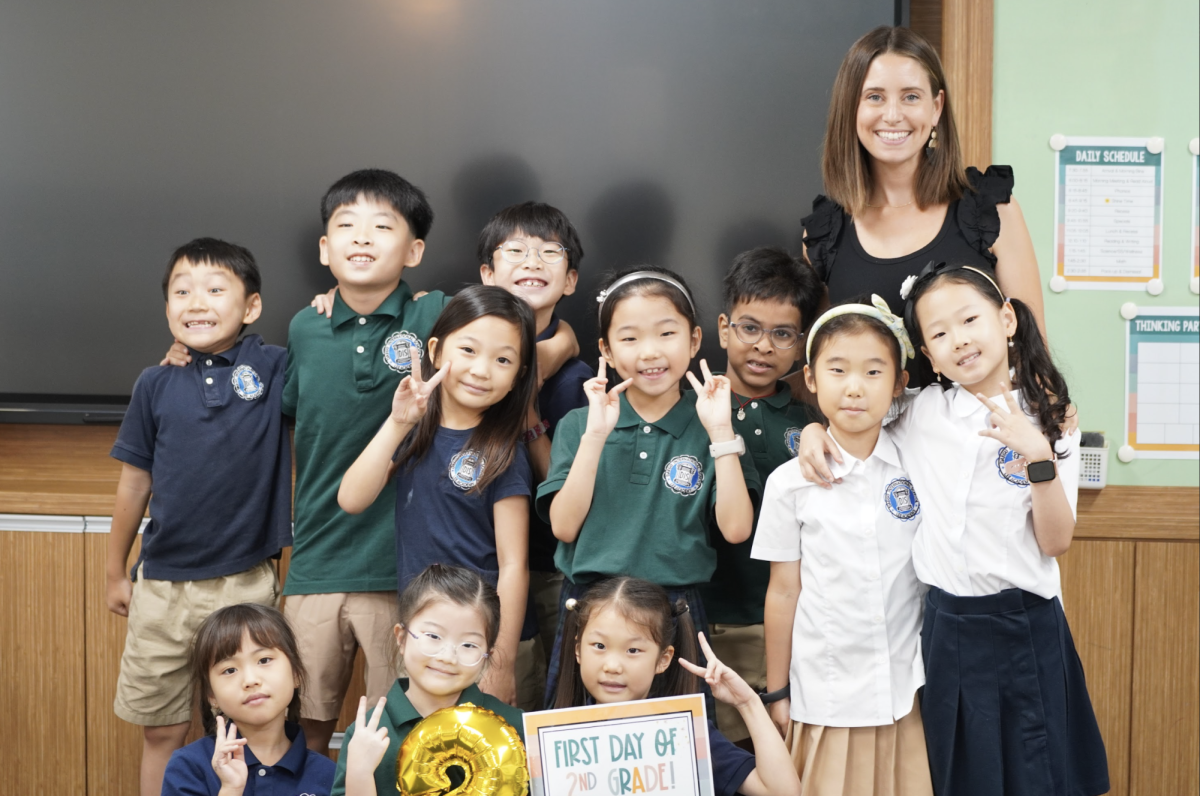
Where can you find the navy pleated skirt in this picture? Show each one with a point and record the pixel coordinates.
(1005, 705)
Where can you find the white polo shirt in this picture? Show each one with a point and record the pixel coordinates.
(976, 536)
(856, 656)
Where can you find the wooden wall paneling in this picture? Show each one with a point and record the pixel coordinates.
(42, 660)
(1166, 671)
(1151, 513)
(57, 469)
(925, 17)
(967, 46)
(1098, 589)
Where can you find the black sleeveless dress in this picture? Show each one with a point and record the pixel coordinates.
(971, 226)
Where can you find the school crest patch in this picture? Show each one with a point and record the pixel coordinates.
(401, 350)
(247, 384)
(901, 499)
(466, 468)
(791, 438)
(684, 475)
(1011, 466)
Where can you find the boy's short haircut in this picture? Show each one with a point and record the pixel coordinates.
(535, 219)
(772, 274)
(383, 186)
(209, 251)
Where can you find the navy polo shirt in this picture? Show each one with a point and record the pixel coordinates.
(731, 764)
(213, 438)
(560, 393)
(438, 521)
(299, 771)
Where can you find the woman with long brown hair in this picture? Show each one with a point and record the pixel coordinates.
(897, 193)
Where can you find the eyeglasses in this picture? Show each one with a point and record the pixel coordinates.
(516, 252)
(750, 333)
(431, 645)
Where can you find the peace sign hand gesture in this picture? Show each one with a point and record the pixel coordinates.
(229, 757)
(712, 403)
(725, 683)
(412, 395)
(369, 742)
(604, 407)
(1013, 429)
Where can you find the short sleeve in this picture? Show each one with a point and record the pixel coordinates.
(135, 440)
(517, 479)
(291, 391)
(562, 452)
(822, 228)
(977, 216)
(777, 537)
(730, 763)
(189, 771)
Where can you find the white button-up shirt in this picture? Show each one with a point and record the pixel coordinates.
(856, 657)
(976, 536)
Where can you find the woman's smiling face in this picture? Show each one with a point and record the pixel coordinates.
(897, 109)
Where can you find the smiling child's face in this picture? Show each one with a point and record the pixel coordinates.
(368, 244)
(207, 306)
(618, 659)
(435, 677)
(542, 285)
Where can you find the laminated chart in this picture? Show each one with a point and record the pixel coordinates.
(1162, 383)
(1108, 213)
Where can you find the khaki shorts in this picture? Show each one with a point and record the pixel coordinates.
(330, 628)
(742, 648)
(533, 655)
(154, 688)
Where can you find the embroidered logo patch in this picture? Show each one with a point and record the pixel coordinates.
(684, 475)
(791, 438)
(901, 499)
(401, 350)
(1011, 466)
(466, 468)
(246, 383)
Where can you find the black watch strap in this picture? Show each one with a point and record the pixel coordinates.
(774, 696)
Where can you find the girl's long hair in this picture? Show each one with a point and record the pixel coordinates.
(1042, 386)
(645, 604)
(220, 637)
(499, 431)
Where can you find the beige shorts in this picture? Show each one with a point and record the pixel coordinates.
(154, 688)
(330, 628)
(742, 648)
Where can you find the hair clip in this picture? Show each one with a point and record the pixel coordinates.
(571, 603)
(676, 611)
(907, 286)
(601, 296)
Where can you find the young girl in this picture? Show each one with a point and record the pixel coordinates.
(247, 672)
(1005, 705)
(624, 639)
(848, 639)
(462, 475)
(449, 620)
(636, 478)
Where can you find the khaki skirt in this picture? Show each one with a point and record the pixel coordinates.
(862, 761)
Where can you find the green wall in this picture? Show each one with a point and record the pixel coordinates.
(1100, 68)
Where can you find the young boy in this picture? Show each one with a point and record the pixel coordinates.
(533, 251)
(770, 299)
(207, 448)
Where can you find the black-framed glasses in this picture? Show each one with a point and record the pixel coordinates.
(431, 645)
(781, 337)
(517, 252)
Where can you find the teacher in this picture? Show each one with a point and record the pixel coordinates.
(898, 196)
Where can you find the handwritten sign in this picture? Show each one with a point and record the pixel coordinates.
(651, 746)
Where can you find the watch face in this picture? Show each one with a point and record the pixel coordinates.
(1041, 471)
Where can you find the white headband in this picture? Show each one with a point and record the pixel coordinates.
(636, 275)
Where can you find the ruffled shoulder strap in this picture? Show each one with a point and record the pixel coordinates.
(977, 216)
(821, 232)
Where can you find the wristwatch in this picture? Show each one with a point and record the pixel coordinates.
(1038, 472)
(736, 445)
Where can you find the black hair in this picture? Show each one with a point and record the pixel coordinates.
(456, 585)
(235, 259)
(646, 604)
(855, 323)
(681, 299)
(498, 433)
(535, 219)
(1041, 384)
(384, 186)
(772, 274)
(220, 637)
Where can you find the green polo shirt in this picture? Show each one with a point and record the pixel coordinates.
(652, 507)
(341, 374)
(399, 716)
(771, 430)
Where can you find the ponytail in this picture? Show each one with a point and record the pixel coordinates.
(1035, 375)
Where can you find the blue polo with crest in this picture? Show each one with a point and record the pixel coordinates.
(213, 438)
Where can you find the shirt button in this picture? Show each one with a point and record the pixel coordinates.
(754, 405)
(870, 531)
(758, 432)
(642, 455)
(360, 349)
(208, 362)
(362, 321)
(958, 568)
(208, 380)
(874, 576)
(262, 772)
(877, 619)
(646, 429)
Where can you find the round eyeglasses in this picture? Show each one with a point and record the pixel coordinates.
(431, 645)
(516, 252)
(750, 333)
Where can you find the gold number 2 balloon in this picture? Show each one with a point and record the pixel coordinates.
(484, 745)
